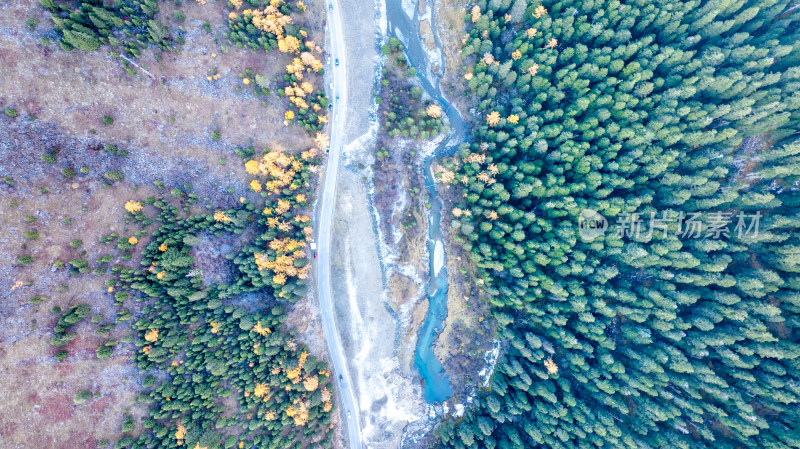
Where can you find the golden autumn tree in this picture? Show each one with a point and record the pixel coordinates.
(434, 111)
(493, 118)
(133, 206)
(322, 140)
(475, 13)
(151, 336)
(551, 366)
(311, 383)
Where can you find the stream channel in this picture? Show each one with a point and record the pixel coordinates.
(436, 381)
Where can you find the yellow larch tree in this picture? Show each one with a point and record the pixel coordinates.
(434, 111)
(151, 336)
(311, 383)
(476, 13)
(261, 330)
(551, 366)
(133, 206)
(322, 140)
(260, 390)
(493, 118)
(221, 217)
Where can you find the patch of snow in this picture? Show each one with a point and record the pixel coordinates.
(438, 257)
(491, 360)
(381, 22)
(409, 7)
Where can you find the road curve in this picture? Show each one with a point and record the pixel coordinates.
(325, 226)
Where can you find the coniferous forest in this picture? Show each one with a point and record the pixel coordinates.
(664, 117)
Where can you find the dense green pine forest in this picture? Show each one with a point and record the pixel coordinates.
(682, 110)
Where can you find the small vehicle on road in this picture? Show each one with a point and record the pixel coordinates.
(348, 413)
(340, 378)
(314, 248)
(337, 62)
(330, 6)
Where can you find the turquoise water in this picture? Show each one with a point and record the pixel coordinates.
(436, 380)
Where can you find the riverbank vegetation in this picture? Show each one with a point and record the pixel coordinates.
(677, 122)
(402, 109)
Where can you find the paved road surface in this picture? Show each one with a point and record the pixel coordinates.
(325, 225)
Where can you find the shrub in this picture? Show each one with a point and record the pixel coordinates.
(113, 175)
(82, 265)
(106, 350)
(82, 396)
(11, 112)
(75, 244)
(49, 158)
(128, 425)
(113, 149)
(216, 135)
(62, 339)
(68, 172)
(61, 355)
(37, 300)
(25, 260)
(32, 235)
(124, 315)
(108, 120)
(148, 381)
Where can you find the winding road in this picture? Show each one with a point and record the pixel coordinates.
(325, 226)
